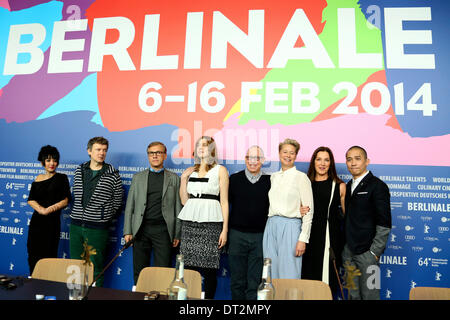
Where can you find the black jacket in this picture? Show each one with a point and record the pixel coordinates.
(367, 211)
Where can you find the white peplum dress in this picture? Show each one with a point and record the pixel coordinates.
(202, 221)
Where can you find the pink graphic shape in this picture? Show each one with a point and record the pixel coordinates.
(384, 144)
(5, 4)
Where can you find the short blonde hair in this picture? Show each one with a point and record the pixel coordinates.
(292, 142)
(157, 143)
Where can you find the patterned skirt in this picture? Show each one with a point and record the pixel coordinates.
(200, 244)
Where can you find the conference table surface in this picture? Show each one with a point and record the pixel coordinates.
(27, 289)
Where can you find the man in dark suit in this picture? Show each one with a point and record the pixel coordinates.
(248, 196)
(367, 225)
(151, 212)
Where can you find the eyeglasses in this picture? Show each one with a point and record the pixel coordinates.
(249, 158)
(155, 153)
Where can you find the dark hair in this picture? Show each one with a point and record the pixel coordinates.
(99, 140)
(359, 148)
(331, 170)
(212, 161)
(48, 152)
(157, 143)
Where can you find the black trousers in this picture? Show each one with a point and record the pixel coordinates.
(209, 280)
(151, 238)
(245, 258)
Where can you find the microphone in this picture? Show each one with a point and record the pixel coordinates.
(126, 246)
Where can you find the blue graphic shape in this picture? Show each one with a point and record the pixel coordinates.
(414, 122)
(416, 235)
(82, 98)
(45, 14)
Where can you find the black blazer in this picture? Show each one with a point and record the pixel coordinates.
(369, 206)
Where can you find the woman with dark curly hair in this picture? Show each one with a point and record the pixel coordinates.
(49, 194)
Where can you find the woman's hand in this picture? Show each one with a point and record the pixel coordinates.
(303, 211)
(223, 239)
(186, 173)
(300, 248)
(43, 211)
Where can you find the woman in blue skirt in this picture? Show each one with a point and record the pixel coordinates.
(286, 232)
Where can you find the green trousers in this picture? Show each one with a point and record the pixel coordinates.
(97, 238)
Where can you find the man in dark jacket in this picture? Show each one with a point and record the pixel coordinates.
(97, 194)
(367, 225)
(249, 201)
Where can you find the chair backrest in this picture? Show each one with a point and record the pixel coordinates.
(311, 289)
(60, 270)
(429, 293)
(159, 279)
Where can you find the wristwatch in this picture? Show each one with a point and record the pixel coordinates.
(374, 254)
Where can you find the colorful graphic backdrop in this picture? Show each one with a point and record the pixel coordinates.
(335, 73)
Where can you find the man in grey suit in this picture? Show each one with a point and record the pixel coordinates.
(151, 212)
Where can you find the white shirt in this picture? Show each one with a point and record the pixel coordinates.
(289, 189)
(355, 182)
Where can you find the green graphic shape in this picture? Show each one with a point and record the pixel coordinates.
(368, 40)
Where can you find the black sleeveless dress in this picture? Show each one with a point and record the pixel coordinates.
(44, 231)
(313, 263)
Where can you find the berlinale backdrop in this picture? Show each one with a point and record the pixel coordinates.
(335, 73)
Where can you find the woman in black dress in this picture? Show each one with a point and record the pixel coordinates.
(326, 230)
(49, 194)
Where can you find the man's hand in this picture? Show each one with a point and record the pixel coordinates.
(128, 238)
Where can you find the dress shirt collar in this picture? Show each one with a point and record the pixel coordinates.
(288, 170)
(156, 171)
(253, 178)
(355, 182)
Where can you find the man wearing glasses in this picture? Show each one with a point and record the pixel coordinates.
(151, 212)
(249, 207)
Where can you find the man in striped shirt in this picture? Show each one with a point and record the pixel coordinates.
(97, 194)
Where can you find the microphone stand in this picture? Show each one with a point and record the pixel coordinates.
(126, 246)
(333, 258)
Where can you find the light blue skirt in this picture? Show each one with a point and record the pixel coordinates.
(279, 242)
